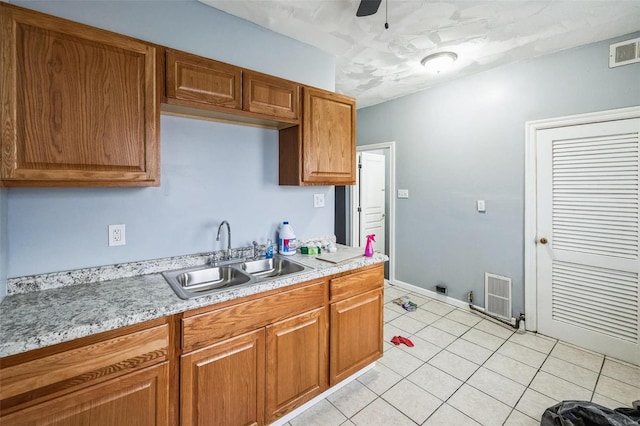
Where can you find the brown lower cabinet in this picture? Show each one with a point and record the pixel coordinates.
(244, 362)
(356, 338)
(139, 398)
(223, 384)
(120, 377)
(356, 321)
(296, 362)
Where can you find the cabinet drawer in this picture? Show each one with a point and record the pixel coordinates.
(209, 327)
(356, 283)
(83, 365)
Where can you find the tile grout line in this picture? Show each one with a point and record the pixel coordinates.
(441, 349)
(538, 369)
(508, 378)
(483, 364)
(533, 377)
(390, 403)
(464, 381)
(595, 386)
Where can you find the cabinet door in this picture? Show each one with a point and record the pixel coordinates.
(356, 334)
(329, 138)
(296, 362)
(223, 384)
(80, 105)
(140, 399)
(272, 96)
(202, 82)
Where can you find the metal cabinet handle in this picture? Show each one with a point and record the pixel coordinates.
(543, 240)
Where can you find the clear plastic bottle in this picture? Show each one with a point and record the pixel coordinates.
(287, 243)
(269, 250)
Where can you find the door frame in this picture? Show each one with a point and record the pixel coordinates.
(530, 198)
(391, 146)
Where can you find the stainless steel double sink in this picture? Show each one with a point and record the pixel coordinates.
(204, 280)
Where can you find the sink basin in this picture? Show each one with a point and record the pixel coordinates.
(203, 280)
(274, 267)
(199, 281)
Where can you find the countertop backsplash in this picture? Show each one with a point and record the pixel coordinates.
(31, 283)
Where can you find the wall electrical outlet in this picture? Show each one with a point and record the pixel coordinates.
(117, 235)
(403, 193)
(318, 200)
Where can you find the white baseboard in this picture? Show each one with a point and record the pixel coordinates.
(445, 299)
(432, 294)
(282, 420)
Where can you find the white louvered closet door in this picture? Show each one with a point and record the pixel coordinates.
(587, 210)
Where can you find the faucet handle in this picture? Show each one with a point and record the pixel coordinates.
(255, 249)
(214, 259)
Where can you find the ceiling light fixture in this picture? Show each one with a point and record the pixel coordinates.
(439, 62)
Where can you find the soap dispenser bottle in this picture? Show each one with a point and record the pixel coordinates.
(269, 251)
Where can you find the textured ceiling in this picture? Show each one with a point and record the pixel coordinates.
(374, 65)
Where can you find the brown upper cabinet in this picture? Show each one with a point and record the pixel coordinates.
(322, 149)
(198, 86)
(200, 82)
(79, 105)
(265, 94)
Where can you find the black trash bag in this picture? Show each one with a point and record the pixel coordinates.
(585, 413)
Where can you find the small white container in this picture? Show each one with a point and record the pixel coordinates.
(287, 243)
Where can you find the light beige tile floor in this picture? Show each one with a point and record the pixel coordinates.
(467, 370)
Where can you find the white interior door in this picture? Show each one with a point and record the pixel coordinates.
(587, 233)
(372, 199)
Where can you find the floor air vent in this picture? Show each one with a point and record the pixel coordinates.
(497, 299)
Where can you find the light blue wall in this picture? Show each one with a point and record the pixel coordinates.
(464, 140)
(210, 171)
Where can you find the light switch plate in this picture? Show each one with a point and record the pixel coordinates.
(318, 200)
(117, 235)
(403, 193)
(481, 206)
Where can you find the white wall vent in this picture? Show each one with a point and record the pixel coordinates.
(497, 295)
(624, 53)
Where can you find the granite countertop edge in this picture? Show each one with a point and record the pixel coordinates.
(36, 320)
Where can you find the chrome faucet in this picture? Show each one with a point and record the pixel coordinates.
(256, 250)
(224, 222)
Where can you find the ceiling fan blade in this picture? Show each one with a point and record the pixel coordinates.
(368, 7)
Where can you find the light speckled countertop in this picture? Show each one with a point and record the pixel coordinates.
(42, 318)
